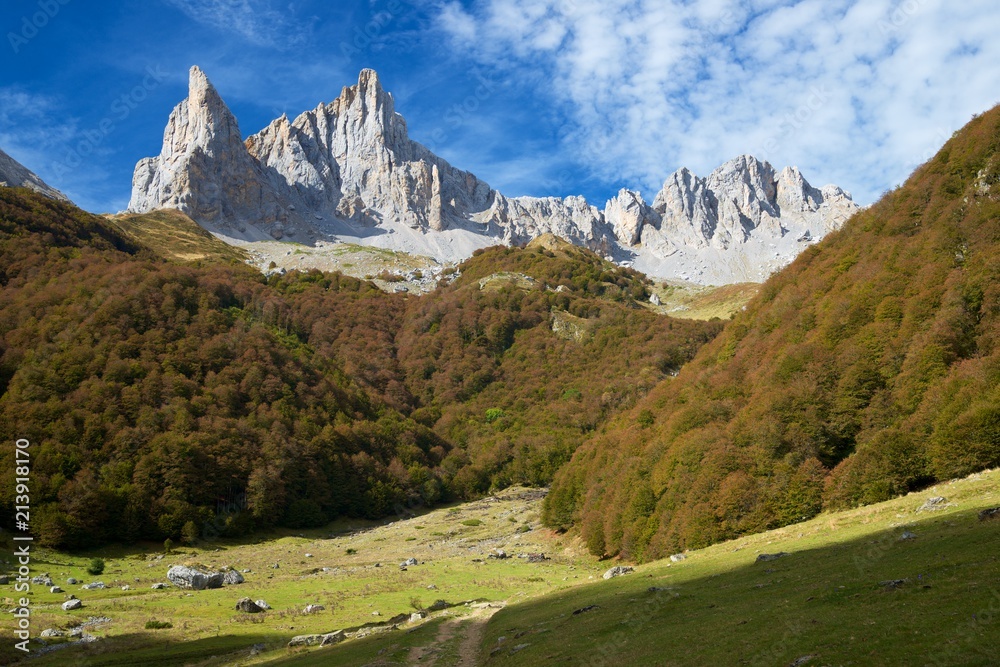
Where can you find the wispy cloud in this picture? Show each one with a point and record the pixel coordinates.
(257, 21)
(37, 131)
(856, 92)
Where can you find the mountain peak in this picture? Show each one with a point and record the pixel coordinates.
(349, 169)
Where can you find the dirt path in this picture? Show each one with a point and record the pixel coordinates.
(468, 630)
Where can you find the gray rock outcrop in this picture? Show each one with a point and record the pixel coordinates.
(618, 571)
(231, 577)
(193, 578)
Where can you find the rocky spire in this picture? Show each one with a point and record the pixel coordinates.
(204, 168)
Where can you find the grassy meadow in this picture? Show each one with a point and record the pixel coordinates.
(887, 584)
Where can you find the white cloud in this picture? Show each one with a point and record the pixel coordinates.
(855, 92)
(256, 21)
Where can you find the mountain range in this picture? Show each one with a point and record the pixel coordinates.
(349, 171)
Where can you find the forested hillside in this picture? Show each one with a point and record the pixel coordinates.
(868, 368)
(178, 399)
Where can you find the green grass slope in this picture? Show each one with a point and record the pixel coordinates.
(852, 590)
(352, 569)
(868, 368)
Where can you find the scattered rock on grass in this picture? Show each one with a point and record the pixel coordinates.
(306, 640)
(892, 584)
(934, 504)
(313, 608)
(52, 632)
(676, 558)
(325, 639)
(764, 558)
(55, 589)
(586, 609)
(70, 605)
(4, 579)
(992, 513)
(334, 637)
(801, 661)
(95, 586)
(248, 606)
(263, 605)
(159, 587)
(71, 581)
(232, 577)
(618, 570)
(907, 535)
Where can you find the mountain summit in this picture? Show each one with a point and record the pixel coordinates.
(348, 170)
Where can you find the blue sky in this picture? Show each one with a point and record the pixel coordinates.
(539, 97)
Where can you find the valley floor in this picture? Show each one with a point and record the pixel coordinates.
(913, 581)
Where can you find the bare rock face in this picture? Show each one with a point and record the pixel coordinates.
(745, 199)
(739, 224)
(521, 219)
(204, 169)
(627, 213)
(687, 210)
(15, 175)
(349, 168)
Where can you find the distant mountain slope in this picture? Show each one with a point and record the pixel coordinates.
(349, 169)
(869, 367)
(15, 175)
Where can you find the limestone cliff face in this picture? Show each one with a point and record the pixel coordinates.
(204, 169)
(15, 175)
(349, 168)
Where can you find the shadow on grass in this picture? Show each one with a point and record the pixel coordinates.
(933, 599)
(143, 649)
